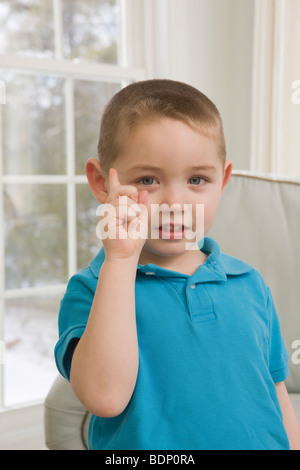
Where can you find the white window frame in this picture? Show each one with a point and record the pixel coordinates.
(130, 68)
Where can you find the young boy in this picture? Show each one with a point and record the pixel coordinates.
(170, 347)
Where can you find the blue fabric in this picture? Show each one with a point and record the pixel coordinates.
(210, 353)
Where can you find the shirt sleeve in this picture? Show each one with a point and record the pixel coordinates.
(278, 355)
(73, 316)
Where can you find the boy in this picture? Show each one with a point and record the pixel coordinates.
(169, 347)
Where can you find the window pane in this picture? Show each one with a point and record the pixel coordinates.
(35, 235)
(90, 100)
(30, 336)
(27, 27)
(88, 243)
(33, 124)
(91, 30)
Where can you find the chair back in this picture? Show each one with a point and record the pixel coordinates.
(258, 221)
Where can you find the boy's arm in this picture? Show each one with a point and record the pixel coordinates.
(105, 362)
(289, 416)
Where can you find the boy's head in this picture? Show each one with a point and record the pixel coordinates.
(150, 101)
(167, 138)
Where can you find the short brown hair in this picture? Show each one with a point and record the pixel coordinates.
(149, 101)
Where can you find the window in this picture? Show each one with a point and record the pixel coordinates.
(60, 62)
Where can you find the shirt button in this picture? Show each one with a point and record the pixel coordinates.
(192, 286)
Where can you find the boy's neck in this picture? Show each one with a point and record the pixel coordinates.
(185, 263)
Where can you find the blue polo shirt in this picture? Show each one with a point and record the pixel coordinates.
(210, 353)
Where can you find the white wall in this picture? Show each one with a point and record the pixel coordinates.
(208, 43)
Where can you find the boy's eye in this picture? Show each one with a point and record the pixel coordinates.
(147, 181)
(196, 180)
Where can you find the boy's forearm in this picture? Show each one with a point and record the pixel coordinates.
(290, 420)
(105, 362)
(292, 427)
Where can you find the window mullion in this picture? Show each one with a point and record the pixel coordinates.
(71, 186)
(58, 29)
(81, 69)
(122, 46)
(132, 34)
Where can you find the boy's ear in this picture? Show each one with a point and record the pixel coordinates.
(227, 174)
(96, 179)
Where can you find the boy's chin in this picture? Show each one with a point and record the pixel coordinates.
(166, 247)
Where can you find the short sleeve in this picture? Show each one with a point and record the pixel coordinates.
(278, 355)
(73, 316)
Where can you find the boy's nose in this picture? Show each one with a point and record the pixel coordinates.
(172, 195)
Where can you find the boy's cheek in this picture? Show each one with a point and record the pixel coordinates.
(210, 212)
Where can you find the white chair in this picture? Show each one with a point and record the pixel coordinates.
(259, 222)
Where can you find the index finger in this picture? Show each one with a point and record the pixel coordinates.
(113, 179)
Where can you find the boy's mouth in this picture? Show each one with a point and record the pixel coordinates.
(171, 231)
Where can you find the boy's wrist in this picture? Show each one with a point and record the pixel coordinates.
(120, 270)
(122, 262)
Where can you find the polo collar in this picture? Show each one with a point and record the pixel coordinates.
(216, 267)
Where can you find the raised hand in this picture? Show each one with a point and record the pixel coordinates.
(123, 219)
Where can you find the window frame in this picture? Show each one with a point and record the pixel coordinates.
(125, 71)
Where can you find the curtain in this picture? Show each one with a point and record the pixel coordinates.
(275, 140)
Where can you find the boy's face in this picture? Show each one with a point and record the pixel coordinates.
(176, 165)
